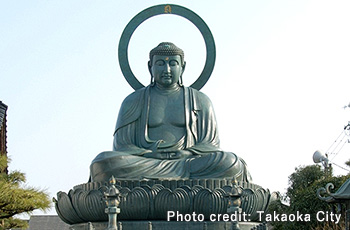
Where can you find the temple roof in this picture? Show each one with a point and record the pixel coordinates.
(342, 194)
(47, 222)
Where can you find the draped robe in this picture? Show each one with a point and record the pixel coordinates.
(131, 142)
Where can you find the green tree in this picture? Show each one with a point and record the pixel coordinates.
(16, 198)
(301, 197)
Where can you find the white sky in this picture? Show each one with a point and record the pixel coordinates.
(281, 79)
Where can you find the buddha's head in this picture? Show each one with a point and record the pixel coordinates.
(166, 64)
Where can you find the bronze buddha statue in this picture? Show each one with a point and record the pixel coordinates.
(167, 130)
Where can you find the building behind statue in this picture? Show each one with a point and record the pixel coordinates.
(3, 132)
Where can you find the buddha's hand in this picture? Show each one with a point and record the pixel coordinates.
(155, 155)
(168, 155)
(176, 154)
(182, 154)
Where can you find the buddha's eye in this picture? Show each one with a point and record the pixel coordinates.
(159, 63)
(173, 63)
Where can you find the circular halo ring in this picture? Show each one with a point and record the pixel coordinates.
(166, 9)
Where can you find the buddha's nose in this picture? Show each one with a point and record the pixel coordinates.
(167, 68)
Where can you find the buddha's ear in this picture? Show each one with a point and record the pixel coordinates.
(150, 67)
(183, 67)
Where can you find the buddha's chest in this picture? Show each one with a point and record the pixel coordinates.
(167, 110)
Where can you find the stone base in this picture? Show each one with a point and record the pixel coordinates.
(152, 199)
(165, 225)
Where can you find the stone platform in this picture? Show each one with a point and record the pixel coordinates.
(165, 225)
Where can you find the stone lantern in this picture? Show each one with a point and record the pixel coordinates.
(112, 198)
(234, 203)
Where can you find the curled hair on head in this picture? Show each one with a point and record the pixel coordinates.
(167, 49)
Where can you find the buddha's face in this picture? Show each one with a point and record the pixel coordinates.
(166, 70)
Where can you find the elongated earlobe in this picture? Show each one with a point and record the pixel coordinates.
(180, 79)
(150, 71)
